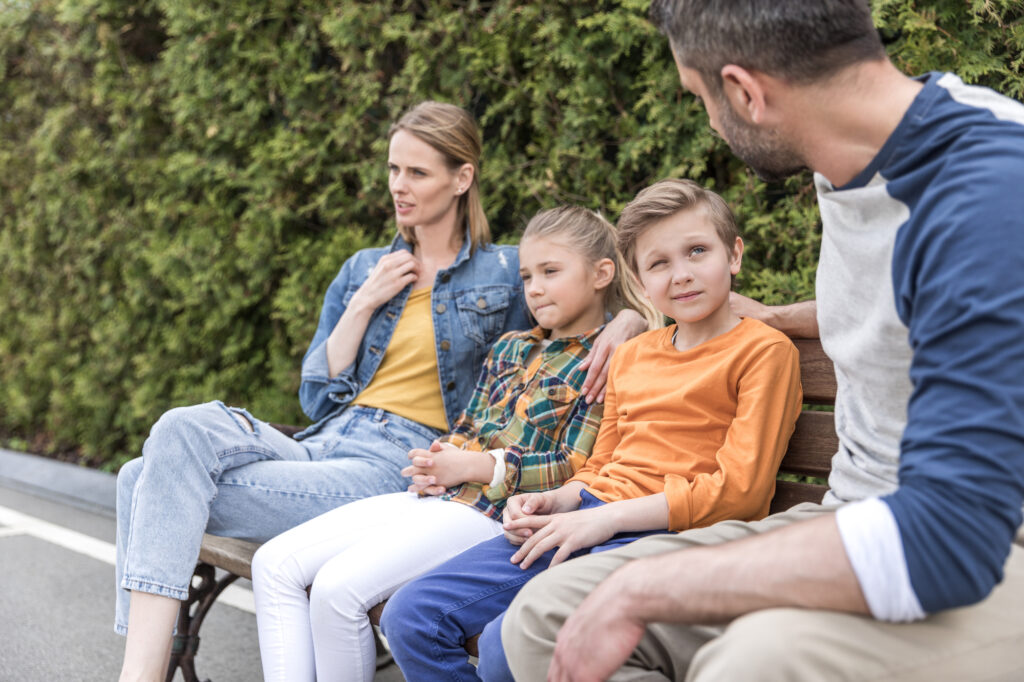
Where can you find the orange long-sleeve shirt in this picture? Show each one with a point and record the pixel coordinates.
(707, 426)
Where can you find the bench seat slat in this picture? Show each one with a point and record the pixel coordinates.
(791, 493)
(234, 556)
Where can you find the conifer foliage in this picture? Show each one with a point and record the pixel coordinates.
(181, 179)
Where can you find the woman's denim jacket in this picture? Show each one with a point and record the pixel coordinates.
(473, 302)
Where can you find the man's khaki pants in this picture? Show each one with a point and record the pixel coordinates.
(980, 642)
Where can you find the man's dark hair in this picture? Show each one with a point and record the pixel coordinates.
(799, 40)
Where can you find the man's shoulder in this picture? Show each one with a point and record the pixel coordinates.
(971, 129)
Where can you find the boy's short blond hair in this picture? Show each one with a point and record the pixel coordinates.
(666, 198)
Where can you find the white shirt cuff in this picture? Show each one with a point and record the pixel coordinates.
(499, 467)
(872, 541)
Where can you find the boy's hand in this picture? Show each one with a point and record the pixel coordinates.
(519, 506)
(569, 531)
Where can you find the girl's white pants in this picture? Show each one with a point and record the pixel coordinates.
(354, 557)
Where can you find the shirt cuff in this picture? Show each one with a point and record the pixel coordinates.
(872, 542)
(499, 467)
(315, 365)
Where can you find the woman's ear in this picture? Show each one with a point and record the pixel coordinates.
(464, 177)
(604, 273)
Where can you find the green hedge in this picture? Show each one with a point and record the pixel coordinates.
(182, 178)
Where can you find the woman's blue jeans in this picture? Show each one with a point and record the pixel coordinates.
(205, 469)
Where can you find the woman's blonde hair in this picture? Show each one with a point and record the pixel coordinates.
(594, 237)
(452, 131)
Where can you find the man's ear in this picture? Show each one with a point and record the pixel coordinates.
(744, 91)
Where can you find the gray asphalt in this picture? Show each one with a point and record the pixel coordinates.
(57, 594)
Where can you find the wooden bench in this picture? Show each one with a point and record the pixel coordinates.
(809, 455)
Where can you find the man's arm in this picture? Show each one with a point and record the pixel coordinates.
(803, 565)
(797, 320)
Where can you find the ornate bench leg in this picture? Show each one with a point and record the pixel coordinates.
(202, 593)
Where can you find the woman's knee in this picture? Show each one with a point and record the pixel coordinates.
(185, 429)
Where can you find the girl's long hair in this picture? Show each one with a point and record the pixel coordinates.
(594, 237)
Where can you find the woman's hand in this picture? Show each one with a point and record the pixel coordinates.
(625, 325)
(569, 531)
(443, 466)
(390, 275)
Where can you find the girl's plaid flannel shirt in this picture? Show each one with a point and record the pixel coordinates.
(532, 413)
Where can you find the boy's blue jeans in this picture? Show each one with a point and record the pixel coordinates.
(428, 621)
(203, 469)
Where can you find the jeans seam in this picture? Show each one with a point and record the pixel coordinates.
(292, 493)
(135, 584)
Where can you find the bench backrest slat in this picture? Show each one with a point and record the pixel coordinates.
(814, 440)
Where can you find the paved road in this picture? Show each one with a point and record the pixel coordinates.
(57, 584)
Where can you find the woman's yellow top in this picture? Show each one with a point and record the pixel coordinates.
(407, 383)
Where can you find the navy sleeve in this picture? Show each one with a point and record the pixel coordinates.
(958, 276)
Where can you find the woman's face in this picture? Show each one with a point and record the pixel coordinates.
(424, 189)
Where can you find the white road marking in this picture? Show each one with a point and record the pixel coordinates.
(22, 524)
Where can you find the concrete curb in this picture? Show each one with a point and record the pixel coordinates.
(89, 489)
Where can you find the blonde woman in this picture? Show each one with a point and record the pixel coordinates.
(371, 385)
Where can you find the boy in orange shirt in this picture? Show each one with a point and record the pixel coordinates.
(696, 420)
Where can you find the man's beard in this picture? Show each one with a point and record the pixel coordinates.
(771, 159)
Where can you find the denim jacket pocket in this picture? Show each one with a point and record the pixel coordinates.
(551, 404)
(482, 312)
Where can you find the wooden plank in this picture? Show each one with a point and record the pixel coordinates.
(789, 493)
(234, 556)
(817, 374)
(812, 445)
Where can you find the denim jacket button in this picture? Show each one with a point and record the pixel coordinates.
(481, 303)
(450, 386)
(445, 276)
(445, 345)
(441, 307)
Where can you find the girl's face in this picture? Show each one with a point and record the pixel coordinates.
(563, 290)
(424, 189)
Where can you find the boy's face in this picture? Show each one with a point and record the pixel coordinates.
(685, 269)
